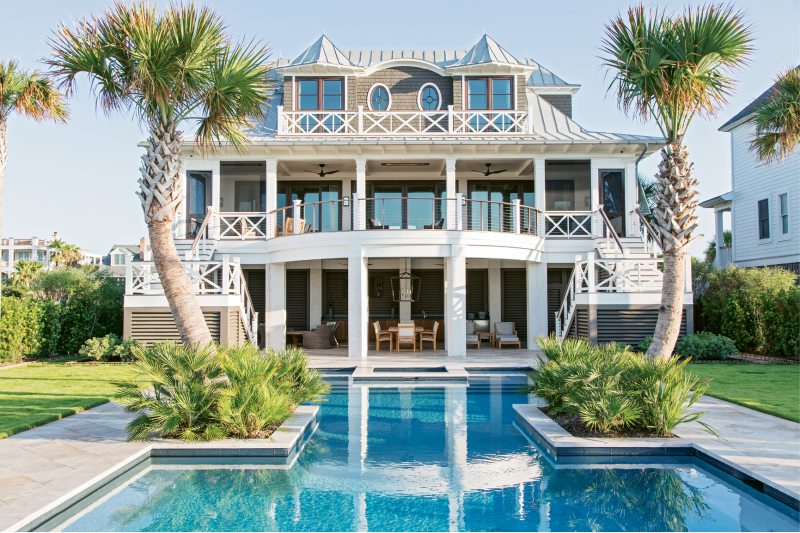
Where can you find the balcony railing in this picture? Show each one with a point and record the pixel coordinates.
(206, 277)
(443, 122)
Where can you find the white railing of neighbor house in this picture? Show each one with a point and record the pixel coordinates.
(607, 276)
(206, 277)
(440, 122)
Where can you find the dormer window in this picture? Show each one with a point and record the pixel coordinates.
(379, 98)
(315, 94)
(490, 93)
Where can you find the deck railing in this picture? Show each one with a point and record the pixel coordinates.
(206, 277)
(593, 275)
(370, 123)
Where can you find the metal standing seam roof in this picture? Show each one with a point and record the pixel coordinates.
(486, 50)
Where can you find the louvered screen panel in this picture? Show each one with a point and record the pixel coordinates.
(297, 300)
(380, 306)
(152, 327)
(629, 326)
(431, 297)
(256, 286)
(553, 305)
(477, 291)
(583, 322)
(336, 293)
(554, 277)
(515, 302)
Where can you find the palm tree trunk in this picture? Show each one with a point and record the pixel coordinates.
(676, 222)
(3, 162)
(160, 195)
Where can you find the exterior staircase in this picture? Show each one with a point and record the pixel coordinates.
(622, 264)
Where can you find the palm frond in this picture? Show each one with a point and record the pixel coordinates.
(777, 119)
(30, 93)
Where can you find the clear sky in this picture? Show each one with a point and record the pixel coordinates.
(79, 179)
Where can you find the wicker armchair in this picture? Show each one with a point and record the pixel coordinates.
(335, 325)
(319, 338)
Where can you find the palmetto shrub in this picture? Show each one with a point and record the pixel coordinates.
(208, 393)
(612, 388)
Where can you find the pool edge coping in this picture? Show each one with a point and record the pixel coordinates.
(297, 425)
(560, 442)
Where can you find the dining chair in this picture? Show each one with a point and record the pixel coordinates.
(406, 335)
(429, 335)
(381, 336)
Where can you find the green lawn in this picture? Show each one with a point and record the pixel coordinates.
(770, 388)
(36, 394)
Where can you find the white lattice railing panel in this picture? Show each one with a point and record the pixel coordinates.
(399, 122)
(318, 123)
(241, 226)
(629, 275)
(490, 122)
(568, 224)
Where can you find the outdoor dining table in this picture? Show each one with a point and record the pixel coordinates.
(393, 331)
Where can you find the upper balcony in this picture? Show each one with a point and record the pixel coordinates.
(371, 123)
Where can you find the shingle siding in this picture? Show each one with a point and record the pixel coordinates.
(520, 101)
(562, 102)
(404, 84)
(458, 98)
(753, 182)
(288, 93)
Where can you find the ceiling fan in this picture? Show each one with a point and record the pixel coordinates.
(322, 172)
(489, 171)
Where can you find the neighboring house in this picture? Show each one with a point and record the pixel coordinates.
(116, 258)
(434, 186)
(764, 203)
(35, 249)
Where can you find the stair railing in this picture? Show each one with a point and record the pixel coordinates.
(608, 228)
(201, 238)
(648, 234)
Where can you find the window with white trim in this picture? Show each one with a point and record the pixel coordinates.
(430, 98)
(379, 98)
(763, 219)
(783, 201)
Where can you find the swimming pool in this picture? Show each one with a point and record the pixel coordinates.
(427, 457)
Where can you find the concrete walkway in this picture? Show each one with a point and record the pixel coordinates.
(40, 466)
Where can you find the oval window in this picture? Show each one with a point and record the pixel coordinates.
(379, 99)
(429, 98)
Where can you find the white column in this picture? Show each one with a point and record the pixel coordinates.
(346, 210)
(537, 300)
(296, 216)
(720, 232)
(450, 185)
(275, 308)
(271, 193)
(405, 307)
(315, 290)
(357, 303)
(495, 294)
(215, 184)
(631, 198)
(361, 189)
(594, 166)
(539, 184)
(456, 302)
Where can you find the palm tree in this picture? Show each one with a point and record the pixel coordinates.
(59, 251)
(30, 94)
(180, 65)
(777, 119)
(72, 255)
(671, 69)
(26, 271)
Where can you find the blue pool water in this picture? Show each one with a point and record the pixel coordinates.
(446, 458)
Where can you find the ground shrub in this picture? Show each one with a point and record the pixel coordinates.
(612, 388)
(28, 327)
(758, 308)
(201, 394)
(705, 345)
(124, 350)
(100, 348)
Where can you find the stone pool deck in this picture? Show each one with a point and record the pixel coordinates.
(40, 466)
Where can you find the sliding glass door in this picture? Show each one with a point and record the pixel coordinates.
(406, 205)
(320, 208)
